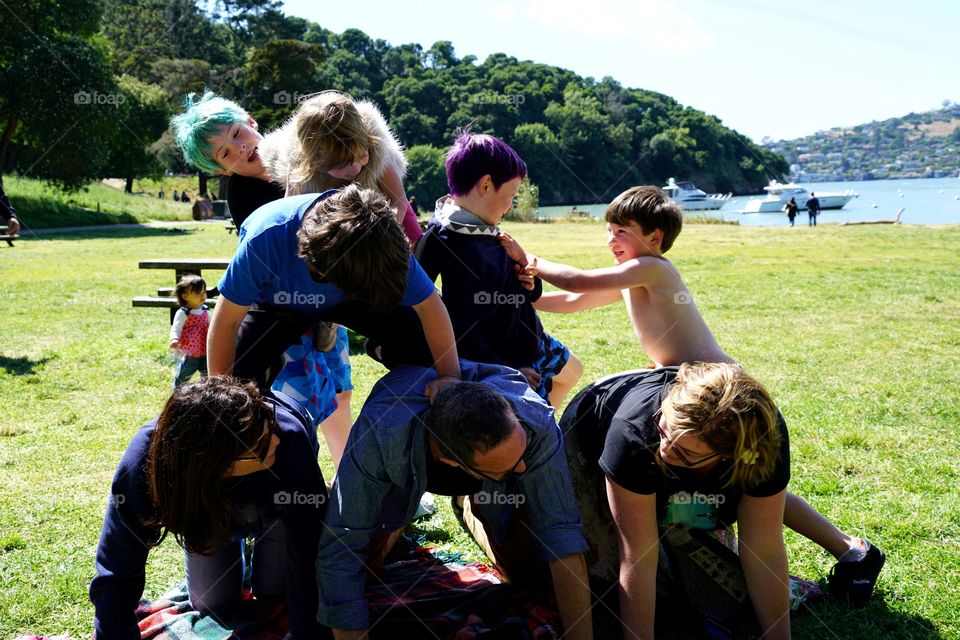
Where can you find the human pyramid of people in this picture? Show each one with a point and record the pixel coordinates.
(645, 473)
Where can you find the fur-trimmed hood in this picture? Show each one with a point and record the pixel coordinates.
(278, 146)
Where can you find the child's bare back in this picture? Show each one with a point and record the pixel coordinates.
(666, 320)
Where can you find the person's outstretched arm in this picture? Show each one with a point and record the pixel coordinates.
(392, 186)
(565, 302)
(222, 335)
(572, 588)
(635, 515)
(764, 561)
(443, 345)
(637, 272)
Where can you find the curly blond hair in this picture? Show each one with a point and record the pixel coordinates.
(731, 412)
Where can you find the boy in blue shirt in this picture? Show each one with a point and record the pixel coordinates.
(491, 311)
(340, 257)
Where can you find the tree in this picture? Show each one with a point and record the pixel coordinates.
(143, 118)
(55, 130)
(426, 175)
(179, 77)
(278, 74)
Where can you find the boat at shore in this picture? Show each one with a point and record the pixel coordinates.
(691, 198)
(778, 195)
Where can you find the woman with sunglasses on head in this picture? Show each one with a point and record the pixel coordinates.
(661, 457)
(222, 463)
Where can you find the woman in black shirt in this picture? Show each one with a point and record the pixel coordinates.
(680, 449)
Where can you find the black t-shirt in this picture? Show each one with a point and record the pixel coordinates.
(615, 426)
(245, 195)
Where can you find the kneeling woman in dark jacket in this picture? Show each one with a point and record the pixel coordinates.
(221, 463)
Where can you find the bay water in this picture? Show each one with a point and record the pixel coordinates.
(925, 201)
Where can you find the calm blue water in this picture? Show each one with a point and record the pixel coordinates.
(932, 201)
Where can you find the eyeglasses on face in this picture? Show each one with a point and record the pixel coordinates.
(260, 451)
(665, 435)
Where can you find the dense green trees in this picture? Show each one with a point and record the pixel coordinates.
(583, 140)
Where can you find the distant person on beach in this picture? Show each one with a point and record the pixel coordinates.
(8, 213)
(212, 471)
(490, 308)
(792, 210)
(642, 225)
(188, 333)
(813, 209)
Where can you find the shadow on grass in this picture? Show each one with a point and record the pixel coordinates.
(42, 212)
(834, 620)
(123, 232)
(22, 366)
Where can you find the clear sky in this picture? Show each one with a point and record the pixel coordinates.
(774, 68)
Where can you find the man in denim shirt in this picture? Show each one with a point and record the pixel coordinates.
(490, 437)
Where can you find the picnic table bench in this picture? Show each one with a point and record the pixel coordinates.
(180, 267)
(5, 236)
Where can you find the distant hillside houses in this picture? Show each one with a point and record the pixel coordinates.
(918, 145)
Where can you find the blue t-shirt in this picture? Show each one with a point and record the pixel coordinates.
(267, 270)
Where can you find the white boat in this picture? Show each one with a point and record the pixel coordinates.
(778, 195)
(692, 199)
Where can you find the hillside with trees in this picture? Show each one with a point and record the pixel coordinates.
(918, 145)
(86, 91)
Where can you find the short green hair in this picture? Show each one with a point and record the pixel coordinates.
(200, 120)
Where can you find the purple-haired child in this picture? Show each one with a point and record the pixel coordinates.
(491, 311)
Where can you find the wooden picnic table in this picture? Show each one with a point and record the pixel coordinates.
(8, 238)
(180, 267)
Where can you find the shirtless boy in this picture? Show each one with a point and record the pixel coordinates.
(642, 225)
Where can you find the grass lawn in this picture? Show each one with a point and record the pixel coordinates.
(853, 329)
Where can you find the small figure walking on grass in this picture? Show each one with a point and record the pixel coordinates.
(188, 335)
(813, 209)
(792, 210)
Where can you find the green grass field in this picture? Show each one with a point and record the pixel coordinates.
(853, 329)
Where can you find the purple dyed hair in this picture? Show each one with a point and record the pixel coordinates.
(474, 155)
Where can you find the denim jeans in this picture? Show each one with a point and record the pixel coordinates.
(188, 366)
(217, 580)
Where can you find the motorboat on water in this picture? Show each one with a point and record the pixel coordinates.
(778, 195)
(692, 199)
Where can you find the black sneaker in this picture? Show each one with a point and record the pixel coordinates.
(854, 580)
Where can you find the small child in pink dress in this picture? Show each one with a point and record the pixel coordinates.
(188, 335)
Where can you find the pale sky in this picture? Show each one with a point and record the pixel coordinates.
(764, 67)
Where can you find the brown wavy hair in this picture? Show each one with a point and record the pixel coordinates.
(203, 428)
(353, 240)
(730, 411)
(650, 208)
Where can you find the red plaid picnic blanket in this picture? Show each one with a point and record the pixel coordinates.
(417, 595)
